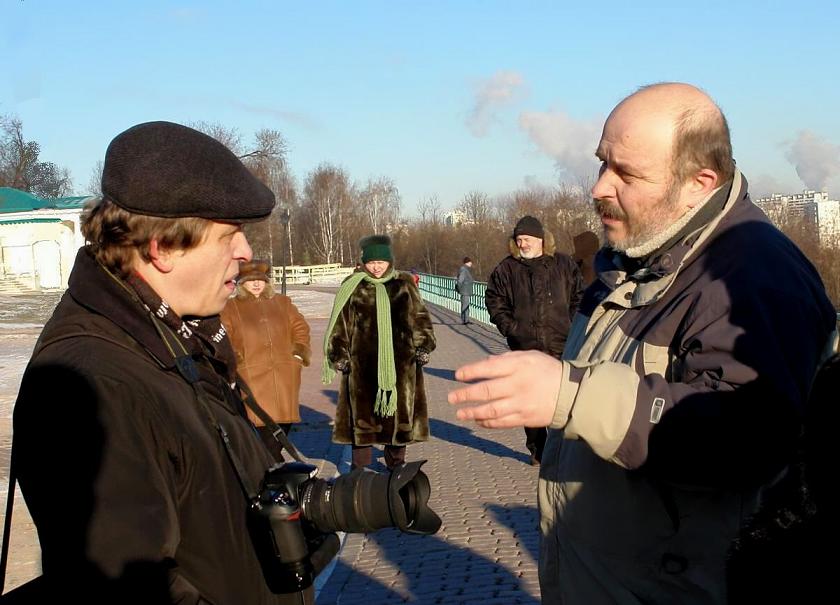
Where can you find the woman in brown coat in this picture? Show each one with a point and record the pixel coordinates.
(271, 341)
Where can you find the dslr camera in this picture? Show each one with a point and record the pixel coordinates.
(293, 517)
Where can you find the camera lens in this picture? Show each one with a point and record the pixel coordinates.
(364, 501)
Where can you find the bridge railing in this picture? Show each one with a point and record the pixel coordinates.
(311, 274)
(440, 290)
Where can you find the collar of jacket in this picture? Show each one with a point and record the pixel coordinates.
(657, 271)
(91, 286)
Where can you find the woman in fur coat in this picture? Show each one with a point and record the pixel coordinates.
(271, 341)
(379, 337)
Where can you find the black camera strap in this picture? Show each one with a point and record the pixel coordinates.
(188, 370)
(7, 524)
(278, 433)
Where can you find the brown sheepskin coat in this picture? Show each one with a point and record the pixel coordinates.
(354, 337)
(266, 334)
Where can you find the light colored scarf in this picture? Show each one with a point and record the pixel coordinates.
(386, 395)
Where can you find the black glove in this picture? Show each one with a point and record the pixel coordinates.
(342, 365)
(421, 356)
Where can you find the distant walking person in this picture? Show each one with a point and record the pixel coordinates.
(271, 340)
(531, 296)
(379, 336)
(464, 286)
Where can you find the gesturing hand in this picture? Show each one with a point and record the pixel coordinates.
(514, 389)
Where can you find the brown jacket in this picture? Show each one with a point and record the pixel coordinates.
(271, 341)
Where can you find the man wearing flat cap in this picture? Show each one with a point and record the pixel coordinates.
(118, 424)
(531, 296)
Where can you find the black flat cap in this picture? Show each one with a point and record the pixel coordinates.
(168, 170)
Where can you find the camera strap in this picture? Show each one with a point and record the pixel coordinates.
(7, 524)
(188, 370)
(278, 433)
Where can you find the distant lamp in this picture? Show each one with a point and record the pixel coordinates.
(284, 220)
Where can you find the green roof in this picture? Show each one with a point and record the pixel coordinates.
(15, 200)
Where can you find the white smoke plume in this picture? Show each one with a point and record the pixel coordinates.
(816, 160)
(763, 185)
(501, 89)
(571, 143)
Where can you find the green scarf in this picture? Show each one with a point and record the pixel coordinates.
(386, 396)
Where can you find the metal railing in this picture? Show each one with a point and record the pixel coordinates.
(311, 274)
(440, 290)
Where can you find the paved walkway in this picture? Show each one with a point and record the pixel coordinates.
(482, 488)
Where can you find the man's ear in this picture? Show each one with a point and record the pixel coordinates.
(701, 185)
(161, 258)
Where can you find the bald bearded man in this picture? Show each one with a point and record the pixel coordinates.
(684, 377)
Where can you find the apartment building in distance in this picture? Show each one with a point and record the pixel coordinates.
(814, 207)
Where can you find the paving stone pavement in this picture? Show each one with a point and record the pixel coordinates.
(482, 488)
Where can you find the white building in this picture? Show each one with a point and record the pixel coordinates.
(39, 239)
(455, 218)
(814, 207)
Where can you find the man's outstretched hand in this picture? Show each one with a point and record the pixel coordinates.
(519, 388)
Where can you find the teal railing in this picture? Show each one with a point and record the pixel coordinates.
(440, 290)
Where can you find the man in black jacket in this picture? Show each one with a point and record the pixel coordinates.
(128, 480)
(531, 296)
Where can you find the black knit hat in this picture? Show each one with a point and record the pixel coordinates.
(376, 247)
(168, 170)
(528, 225)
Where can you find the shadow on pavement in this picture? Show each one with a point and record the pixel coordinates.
(524, 521)
(311, 418)
(332, 395)
(466, 437)
(486, 338)
(444, 373)
(430, 571)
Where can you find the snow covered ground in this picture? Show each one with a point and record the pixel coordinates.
(23, 316)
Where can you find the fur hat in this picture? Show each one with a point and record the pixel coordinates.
(168, 170)
(376, 247)
(528, 225)
(256, 269)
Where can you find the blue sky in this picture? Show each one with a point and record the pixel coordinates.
(443, 97)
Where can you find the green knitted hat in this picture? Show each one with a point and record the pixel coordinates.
(376, 247)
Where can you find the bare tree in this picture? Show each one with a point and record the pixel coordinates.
(429, 231)
(227, 136)
(380, 200)
(95, 183)
(20, 165)
(267, 161)
(325, 194)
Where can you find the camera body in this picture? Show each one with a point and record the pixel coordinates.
(293, 517)
(279, 534)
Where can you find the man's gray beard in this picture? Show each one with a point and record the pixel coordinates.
(659, 220)
(640, 237)
(530, 255)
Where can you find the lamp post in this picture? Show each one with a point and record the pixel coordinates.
(284, 220)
